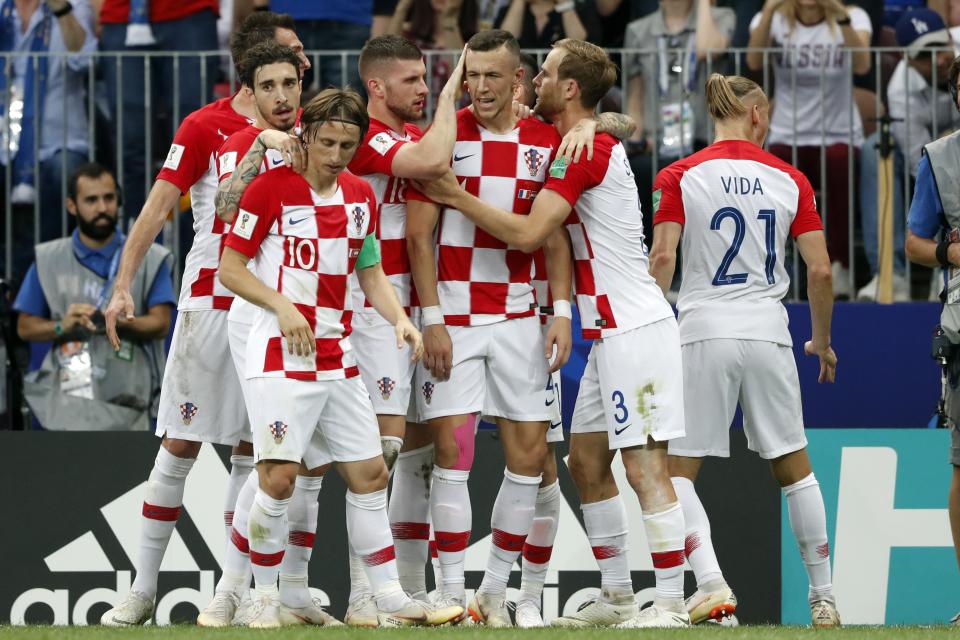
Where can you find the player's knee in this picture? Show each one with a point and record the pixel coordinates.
(585, 472)
(529, 460)
(182, 448)
(446, 453)
(278, 485)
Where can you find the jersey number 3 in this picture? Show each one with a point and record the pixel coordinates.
(769, 217)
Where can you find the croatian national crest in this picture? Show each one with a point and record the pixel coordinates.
(278, 430)
(358, 217)
(188, 411)
(386, 387)
(427, 391)
(534, 160)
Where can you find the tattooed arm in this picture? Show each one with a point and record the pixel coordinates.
(227, 200)
(581, 136)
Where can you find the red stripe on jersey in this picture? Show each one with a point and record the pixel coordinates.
(332, 290)
(605, 552)
(508, 541)
(583, 277)
(203, 285)
(329, 354)
(302, 538)
(266, 559)
(453, 263)
(537, 555)
(667, 559)
(273, 358)
(164, 514)
(605, 311)
(351, 372)
(394, 257)
(410, 530)
(387, 554)
(483, 240)
(451, 541)
(242, 544)
(222, 303)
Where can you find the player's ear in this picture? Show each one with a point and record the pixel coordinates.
(247, 91)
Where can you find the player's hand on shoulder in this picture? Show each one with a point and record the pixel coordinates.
(297, 331)
(580, 137)
(290, 148)
(437, 351)
(559, 335)
(828, 360)
(120, 307)
(407, 333)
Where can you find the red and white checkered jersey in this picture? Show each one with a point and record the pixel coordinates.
(480, 279)
(373, 162)
(305, 247)
(191, 166)
(541, 287)
(231, 152)
(615, 291)
(737, 204)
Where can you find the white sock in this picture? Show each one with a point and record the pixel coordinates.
(268, 517)
(161, 508)
(607, 529)
(698, 543)
(236, 565)
(369, 531)
(302, 516)
(409, 513)
(665, 538)
(435, 561)
(240, 468)
(359, 585)
(808, 520)
(452, 518)
(539, 545)
(510, 523)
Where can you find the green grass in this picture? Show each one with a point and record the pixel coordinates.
(305, 633)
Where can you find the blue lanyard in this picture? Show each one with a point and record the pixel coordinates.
(112, 271)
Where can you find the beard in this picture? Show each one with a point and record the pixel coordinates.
(92, 228)
(406, 112)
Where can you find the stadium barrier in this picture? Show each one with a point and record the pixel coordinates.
(105, 120)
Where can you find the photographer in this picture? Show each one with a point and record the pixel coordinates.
(933, 241)
(83, 384)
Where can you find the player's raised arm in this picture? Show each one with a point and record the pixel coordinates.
(557, 254)
(163, 197)
(813, 249)
(437, 347)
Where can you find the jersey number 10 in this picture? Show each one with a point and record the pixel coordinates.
(769, 217)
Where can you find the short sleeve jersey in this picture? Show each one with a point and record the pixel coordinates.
(191, 166)
(810, 52)
(373, 162)
(306, 247)
(615, 291)
(737, 204)
(480, 279)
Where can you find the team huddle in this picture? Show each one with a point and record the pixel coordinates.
(360, 293)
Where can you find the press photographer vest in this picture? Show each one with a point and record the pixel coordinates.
(944, 156)
(125, 386)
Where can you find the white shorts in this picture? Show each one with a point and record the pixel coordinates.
(632, 387)
(201, 399)
(762, 376)
(555, 428)
(387, 371)
(314, 421)
(498, 369)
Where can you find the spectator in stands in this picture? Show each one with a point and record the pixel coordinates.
(813, 35)
(134, 26)
(327, 26)
(537, 24)
(41, 129)
(436, 25)
(83, 383)
(666, 90)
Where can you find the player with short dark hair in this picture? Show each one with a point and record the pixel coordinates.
(620, 406)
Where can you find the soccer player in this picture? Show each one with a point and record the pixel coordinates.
(268, 71)
(308, 233)
(393, 151)
(630, 395)
(735, 205)
(492, 359)
(200, 399)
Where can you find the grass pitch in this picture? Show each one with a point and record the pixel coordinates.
(176, 632)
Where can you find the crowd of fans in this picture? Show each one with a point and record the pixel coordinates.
(120, 107)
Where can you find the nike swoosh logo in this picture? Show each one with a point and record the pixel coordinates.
(547, 403)
(617, 432)
(292, 221)
(457, 158)
(277, 162)
(554, 425)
